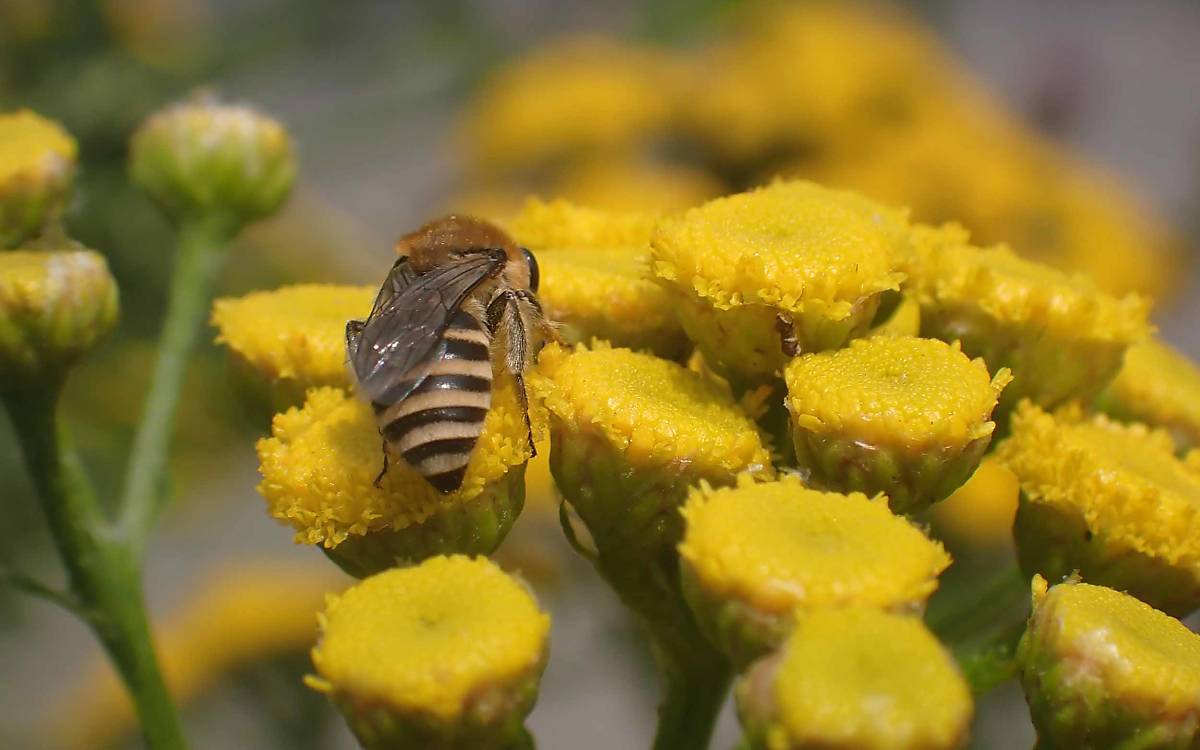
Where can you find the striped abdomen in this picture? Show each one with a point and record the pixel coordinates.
(435, 427)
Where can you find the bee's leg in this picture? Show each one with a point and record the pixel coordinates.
(787, 335)
(383, 471)
(354, 329)
(547, 329)
(504, 311)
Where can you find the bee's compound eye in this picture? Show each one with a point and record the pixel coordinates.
(534, 276)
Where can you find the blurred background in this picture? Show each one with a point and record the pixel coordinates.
(1070, 130)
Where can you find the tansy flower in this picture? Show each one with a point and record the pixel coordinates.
(629, 434)
(1102, 669)
(1159, 386)
(757, 557)
(904, 416)
(629, 184)
(579, 96)
(792, 262)
(855, 679)
(203, 160)
(235, 618)
(445, 654)
(1061, 337)
(811, 76)
(55, 305)
(37, 167)
(318, 475)
(904, 319)
(595, 276)
(285, 341)
(980, 513)
(1108, 500)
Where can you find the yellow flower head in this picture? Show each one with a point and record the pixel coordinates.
(37, 166)
(794, 246)
(904, 416)
(595, 279)
(904, 320)
(653, 412)
(293, 338)
(54, 307)
(442, 649)
(204, 159)
(561, 223)
(857, 679)
(756, 554)
(910, 392)
(320, 464)
(1061, 336)
(580, 95)
(1109, 500)
(814, 258)
(1102, 669)
(1159, 386)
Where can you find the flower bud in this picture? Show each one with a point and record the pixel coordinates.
(1159, 386)
(855, 679)
(446, 654)
(904, 416)
(1108, 500)
(759, 556)
(206, 160)
(319, 468)
(54, 307)
(37, 167)
(792, 266)
(1103, 670)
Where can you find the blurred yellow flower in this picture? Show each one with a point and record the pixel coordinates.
(758, 556)
(577, 96)
(1160, 386)
(236, 616)
(443, 654)
(630, 184)
(1102, 669)
(561, 223)
(1108, 500)
(37, 167)
(980, 513)
(856, 679)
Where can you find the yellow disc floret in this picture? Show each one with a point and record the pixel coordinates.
(449, 642)
(900, 391)
(1160, 386)
(860, 679)
(636, 185)
(320, 463)
(775, 548)
(293, 337)
(1109, 500)
(606, 293)
(560, 223)
(37, 165)
(779, 545)
(655, 412)
(1103, 669)
(794, 246)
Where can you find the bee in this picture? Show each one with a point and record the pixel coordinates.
(460, 294)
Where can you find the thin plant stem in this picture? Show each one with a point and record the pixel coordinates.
(103, 575)
(197, 266)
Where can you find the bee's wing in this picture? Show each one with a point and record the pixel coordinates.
(398, 279)
(403, 337)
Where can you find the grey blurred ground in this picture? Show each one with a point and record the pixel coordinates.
(1140, 68)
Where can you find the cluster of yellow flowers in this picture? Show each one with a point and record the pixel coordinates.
(754, 506)
(858, 95)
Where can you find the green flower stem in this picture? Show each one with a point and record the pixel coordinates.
(197, 266)
(103, 573)
(694, 693)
